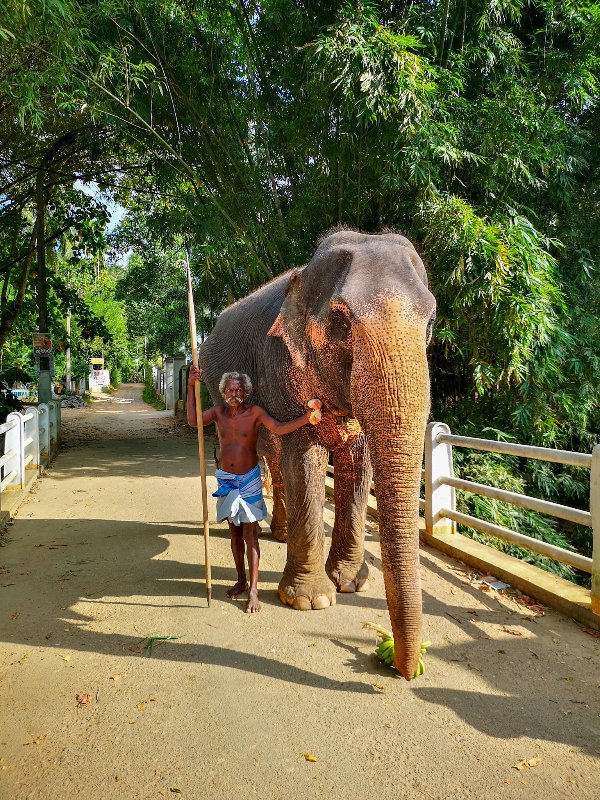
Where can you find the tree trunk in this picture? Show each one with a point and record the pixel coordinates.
(42, 287)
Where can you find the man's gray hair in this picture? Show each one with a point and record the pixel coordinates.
(236, 376)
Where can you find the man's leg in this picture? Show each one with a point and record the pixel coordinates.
(237, 548)
(253, 550)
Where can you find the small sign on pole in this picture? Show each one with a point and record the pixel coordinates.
(42, 351)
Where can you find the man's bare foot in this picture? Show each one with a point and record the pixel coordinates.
(253, 604)
(240, 587)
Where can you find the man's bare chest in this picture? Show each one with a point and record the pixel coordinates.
(241, 427)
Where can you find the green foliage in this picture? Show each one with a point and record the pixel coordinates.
(150, 397)
(502, 471)
(9, 403)
(236, 133)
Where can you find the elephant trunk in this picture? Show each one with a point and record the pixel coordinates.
(390, 398)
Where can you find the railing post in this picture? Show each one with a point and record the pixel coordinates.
(52, 426)
(595, 511)
(169, 383)
(438, 464)
(56, 418)
(32, 431)
(58, 409)
(14, 441)
(44, 432)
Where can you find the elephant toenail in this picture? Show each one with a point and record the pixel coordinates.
(301, 603)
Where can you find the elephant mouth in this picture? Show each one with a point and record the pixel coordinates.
(341, 415)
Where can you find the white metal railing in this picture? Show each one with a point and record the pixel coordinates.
(30, 439)
(10, 461)
(441, 515)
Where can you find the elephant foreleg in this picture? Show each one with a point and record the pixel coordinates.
(304, 584)
(352, 478)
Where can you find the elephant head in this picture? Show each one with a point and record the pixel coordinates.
(356, 321)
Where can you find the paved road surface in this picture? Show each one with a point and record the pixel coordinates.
(107, 551)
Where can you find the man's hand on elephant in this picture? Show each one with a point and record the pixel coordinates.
(314, 417)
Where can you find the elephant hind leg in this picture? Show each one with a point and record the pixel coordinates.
(304, 584)
(270, 449)
(352, 479)
(279, 518)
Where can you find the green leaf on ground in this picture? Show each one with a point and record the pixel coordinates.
(148, 642)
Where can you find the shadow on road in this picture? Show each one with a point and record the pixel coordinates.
(78, 577)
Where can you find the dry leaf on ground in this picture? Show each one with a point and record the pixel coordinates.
(38, 739)
(527, 762)
(143, 703)
(310, 757)
(530, 603)
(83, 699)
(512, 631)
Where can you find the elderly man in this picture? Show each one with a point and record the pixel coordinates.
(239, 492)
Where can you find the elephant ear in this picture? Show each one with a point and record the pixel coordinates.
(290, 323)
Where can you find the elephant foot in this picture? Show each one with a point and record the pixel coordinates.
(306, 594)
(348, 577)
(279, 533)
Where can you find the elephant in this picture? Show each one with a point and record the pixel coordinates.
(351, 328)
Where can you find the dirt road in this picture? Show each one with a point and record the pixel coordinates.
(107, 551)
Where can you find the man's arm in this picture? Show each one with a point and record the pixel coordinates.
(207, 416)
(281, 428)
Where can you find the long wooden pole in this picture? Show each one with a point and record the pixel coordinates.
(194, 343)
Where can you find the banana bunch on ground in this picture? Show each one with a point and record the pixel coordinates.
(385, 647)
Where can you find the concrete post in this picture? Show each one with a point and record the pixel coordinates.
(31, 431)
(438, 464)
(169, 384)
(595, 511)
(44, 431)
(44, 386)
(182, 388)
(178, 363)
(52, 426)
(13, 442)
(57, 416)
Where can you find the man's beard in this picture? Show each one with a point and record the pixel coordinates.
(232, 400)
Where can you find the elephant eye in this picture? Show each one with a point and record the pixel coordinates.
(339, 324)
(429, 330)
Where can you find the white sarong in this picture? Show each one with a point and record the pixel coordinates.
(239, 497)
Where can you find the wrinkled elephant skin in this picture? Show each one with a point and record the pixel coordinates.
(351, 328)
